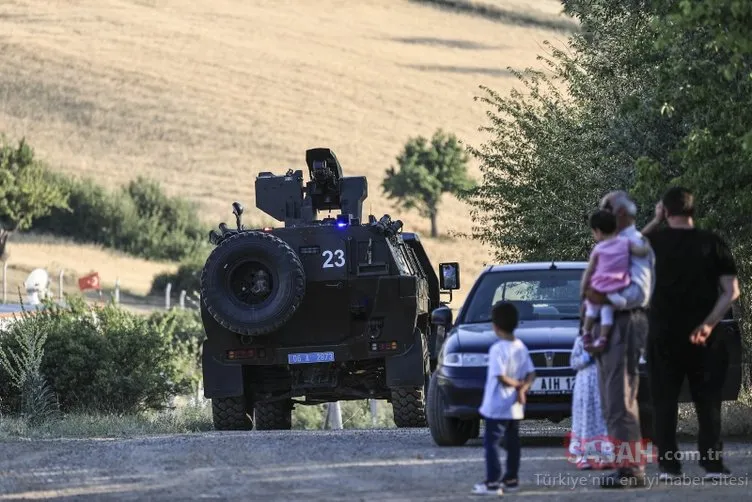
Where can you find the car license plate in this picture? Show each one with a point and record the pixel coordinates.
(310, 357)
(552, 385)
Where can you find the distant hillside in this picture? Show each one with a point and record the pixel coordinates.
(204, 95)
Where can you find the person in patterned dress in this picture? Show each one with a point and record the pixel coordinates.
(588, 441)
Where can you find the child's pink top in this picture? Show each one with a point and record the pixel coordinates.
(612, 269)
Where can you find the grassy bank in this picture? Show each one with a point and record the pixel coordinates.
(189, 419)
(183, 419)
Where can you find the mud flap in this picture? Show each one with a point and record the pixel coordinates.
(406, 370)
(220, 380)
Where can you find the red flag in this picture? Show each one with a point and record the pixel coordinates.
(90, 281)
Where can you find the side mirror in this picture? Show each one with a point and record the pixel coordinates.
(442, 316)
(449, 276)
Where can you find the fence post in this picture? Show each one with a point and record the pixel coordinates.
(5, 282)
(60, 284)
(168, 289)
(117, 290)
(374, 412)
(182, 299)
(334, 416)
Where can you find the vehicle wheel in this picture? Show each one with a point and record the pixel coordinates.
(646, 425)
(409, 404)
(275, 415)
(475, 432)
(252, 283)
(231, 414)
(446, 431)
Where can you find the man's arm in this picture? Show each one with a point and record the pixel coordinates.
(657, 219)
(729, 284)
(729, 294)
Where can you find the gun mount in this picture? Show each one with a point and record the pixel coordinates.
(284, 198)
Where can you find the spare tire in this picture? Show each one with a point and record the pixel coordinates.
(252, 283)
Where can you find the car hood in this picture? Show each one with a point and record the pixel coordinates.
(534, 334)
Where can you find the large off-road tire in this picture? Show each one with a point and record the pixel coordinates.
(230, 274)
(409, 404)
(231, 414)
(446, 431)
(275, 415)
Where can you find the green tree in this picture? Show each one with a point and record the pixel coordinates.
(705, 85)
(569, 137)
(27, 191)
(426, 172)
(648, 94)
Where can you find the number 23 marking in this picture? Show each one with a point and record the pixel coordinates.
(329, 255)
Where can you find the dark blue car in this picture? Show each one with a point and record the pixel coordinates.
(547, 296)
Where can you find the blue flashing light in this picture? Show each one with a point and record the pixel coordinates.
(343, 220)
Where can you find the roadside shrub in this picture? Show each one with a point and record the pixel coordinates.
(187, 276)
(138, 219)
(102, 359)
(186, 333)
(23, 367)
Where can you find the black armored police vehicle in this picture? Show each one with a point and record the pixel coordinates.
(317, 310)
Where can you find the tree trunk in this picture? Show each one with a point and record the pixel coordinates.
(4, 234)
(434, 228)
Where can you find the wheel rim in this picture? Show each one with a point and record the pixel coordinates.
(250, 282)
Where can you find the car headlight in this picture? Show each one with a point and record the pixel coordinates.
(465, 359)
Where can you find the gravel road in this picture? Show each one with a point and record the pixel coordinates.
(385, 464)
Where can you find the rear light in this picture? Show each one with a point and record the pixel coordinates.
(246, 354)
(383, 346)
(268, 229)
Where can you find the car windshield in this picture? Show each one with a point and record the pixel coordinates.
(537, 294)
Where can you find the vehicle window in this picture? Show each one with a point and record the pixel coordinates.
(537, 294)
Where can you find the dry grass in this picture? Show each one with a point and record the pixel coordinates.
(30, 252)
(204, 95)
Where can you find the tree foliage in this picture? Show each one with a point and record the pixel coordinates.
(26, 191)
(427, 170)
(138, 219)
(647, 95)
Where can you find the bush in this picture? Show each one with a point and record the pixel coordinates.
(139, 219)
(103, 359)
(187, 277)
(186, 333)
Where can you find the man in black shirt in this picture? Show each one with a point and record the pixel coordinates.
(695, 285)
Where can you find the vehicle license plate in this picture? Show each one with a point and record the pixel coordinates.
(310, 357)
(552, 385)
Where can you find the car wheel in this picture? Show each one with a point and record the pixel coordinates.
(446, 431)
(646, 425)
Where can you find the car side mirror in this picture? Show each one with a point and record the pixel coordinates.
(449, 276)
(442, 316)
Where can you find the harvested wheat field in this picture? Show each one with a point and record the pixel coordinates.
(203, 95)
(55, 255)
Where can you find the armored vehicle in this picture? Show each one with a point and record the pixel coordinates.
(317, 310)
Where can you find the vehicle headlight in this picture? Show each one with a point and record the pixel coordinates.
(465, 359)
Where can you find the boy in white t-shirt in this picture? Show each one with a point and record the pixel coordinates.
(508, 379)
